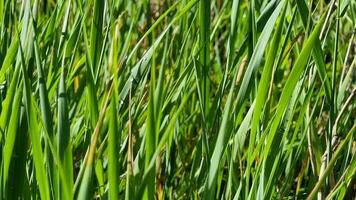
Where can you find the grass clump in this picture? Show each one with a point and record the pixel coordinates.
(188, 99)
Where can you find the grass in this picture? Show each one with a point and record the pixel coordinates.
(188, 99)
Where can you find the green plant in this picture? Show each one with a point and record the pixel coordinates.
(187, 99)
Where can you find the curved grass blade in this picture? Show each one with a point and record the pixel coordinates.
(292, 80)
(258, 53)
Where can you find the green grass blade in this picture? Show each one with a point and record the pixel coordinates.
(41, 174)
(293, 78)
(258, 53)
(331, 163)
(11, 136)
(64, 142)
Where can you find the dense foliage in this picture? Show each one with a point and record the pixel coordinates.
(187, 99)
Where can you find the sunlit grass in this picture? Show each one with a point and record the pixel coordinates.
(188, 99)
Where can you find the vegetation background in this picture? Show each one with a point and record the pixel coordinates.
(186, 99)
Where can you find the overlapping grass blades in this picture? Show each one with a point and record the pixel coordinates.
(188, 99)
